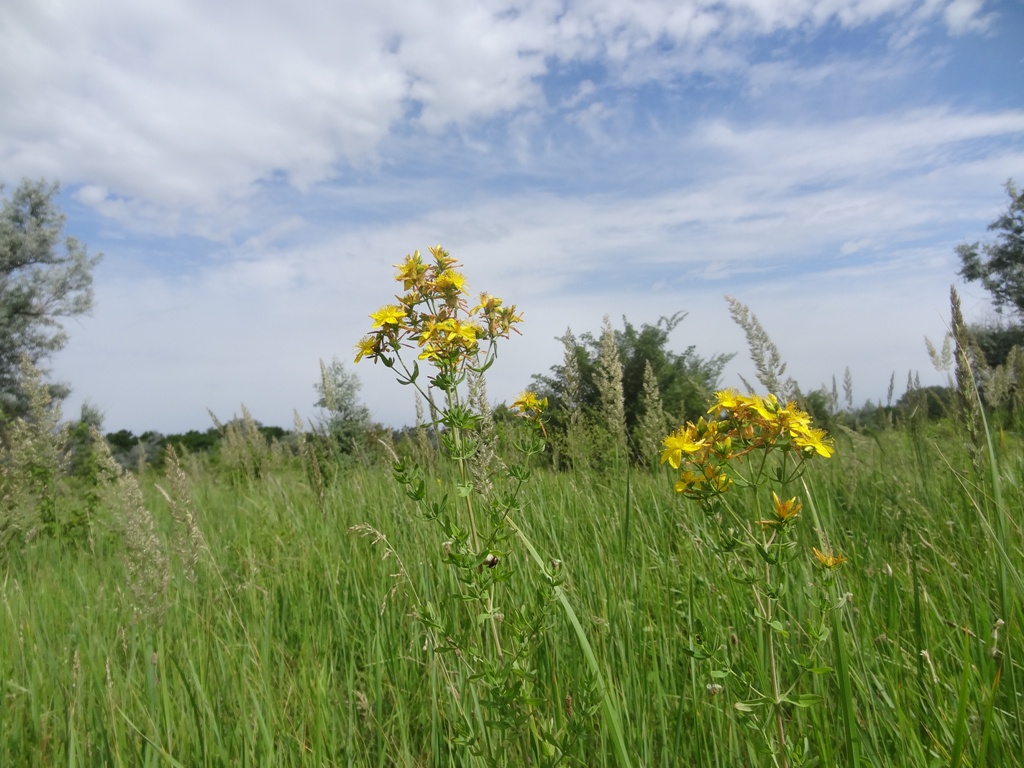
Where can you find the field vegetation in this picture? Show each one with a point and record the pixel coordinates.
(531, 585)
(627, 565)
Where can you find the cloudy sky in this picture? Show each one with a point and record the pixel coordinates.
(251, 170)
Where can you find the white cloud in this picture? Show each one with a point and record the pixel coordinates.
(847, 274)
(313, 144)
(184, 107)
(964, 16)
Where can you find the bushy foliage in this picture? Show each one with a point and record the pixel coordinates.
(44, 276)
(999, 265)
(32, 463)
(49, 475)
(995, 338)
(684, 380)
(344, 419)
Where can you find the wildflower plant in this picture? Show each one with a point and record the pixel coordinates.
(751, 441)
(440, 342)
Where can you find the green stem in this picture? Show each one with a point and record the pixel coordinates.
(464, 478)
(765, 606)
(780, 728)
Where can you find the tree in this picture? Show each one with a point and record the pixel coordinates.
(1000, 265)
(684, 380)
(44, 276)
(345, 417)
(996, 337)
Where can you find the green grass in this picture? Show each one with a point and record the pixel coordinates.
(279, 654)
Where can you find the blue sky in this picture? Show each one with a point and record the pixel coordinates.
(251, 171)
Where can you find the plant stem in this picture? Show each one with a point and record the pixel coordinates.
(464, 479)
(773, 669)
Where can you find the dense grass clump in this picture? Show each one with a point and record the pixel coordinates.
(290, 641)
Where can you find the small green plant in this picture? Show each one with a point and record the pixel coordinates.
(482, 634)
(751, 441)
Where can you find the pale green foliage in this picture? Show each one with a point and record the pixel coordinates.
(571, 397)
(1003, 385)
(32, 462)
(967, 359)
(612, 412)
(942, 358)
(424, 435)
(243, 448)
(1014, 367)
(188, 542)
(654, 422)
(44, 276)
(765, 355)
(345, 419)
(307, 451)
(143, 551)
(484, 463)
(998, 385)
(573, 441)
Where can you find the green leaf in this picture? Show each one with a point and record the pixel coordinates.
(697, 655)
(805, 700)
(746, 706)
(778, 627)
(765, 556)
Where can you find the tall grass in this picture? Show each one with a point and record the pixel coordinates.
(274, 648)
(292, 644)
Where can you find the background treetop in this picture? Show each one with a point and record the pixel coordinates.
(44, 276)
(999, 265)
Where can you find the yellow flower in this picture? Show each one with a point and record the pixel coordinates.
(442, 258)
(488, 303)
(503, 320)
(392, 314)
(725, 400)
(367, 347)
(794, 418)
(528, 401)
(450, 280)
(815, 440)
(829, 560)
(786, 510)
(431, 330)
(411, 271)
(683, 440)
(430, 352)
(464, 333)
(721, 482)
(767, 407)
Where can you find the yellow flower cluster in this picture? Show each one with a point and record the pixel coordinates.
(531, 407)
(828, 558)
(434, 315)
(738, 425)
(528, 404)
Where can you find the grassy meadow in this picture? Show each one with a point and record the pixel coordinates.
(256, 622)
